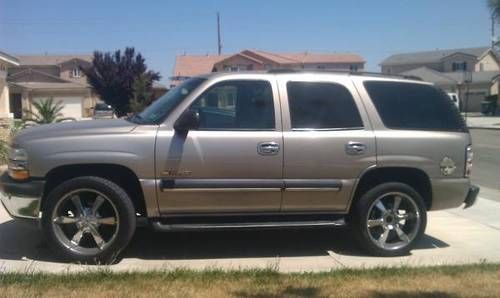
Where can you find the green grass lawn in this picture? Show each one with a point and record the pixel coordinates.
(481, 280)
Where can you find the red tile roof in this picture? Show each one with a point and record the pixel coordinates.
(191, 65)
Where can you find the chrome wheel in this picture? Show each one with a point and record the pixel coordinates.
(393, 221)
(85, 221)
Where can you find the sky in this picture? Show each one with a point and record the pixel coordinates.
(160, 30)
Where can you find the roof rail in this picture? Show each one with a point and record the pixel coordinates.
(340, 71)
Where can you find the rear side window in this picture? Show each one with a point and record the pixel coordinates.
(414, 106)
(319, 105)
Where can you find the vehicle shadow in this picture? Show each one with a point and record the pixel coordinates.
(19, 241)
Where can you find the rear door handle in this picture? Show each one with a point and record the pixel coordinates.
(268, 148)
(355, 148)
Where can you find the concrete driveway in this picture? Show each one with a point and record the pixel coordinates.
(453, 237)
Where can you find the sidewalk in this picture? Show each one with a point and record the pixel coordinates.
(453, 237)
(483, 122)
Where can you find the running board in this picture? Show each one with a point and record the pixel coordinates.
(158, 226)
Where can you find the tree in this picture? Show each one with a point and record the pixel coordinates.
(45, 111)
(142, 93)
(112, 76)
(494, 6)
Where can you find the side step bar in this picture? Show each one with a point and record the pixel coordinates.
(158, 226)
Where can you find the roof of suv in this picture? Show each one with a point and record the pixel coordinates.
(364, 75)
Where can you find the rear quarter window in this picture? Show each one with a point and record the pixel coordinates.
(414, 106)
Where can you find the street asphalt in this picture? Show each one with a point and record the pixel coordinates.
(486, 166)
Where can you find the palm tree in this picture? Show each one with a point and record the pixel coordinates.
(45, 111)
(14, 127)
(494, 6)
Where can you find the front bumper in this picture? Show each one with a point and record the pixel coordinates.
(21, 199)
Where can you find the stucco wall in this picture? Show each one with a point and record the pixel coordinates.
(488, 64)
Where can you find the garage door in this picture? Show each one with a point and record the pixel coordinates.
(72, 105)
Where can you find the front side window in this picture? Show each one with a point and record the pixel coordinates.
(236, 105)
(161, 108)
(318, 105)
(411, 106)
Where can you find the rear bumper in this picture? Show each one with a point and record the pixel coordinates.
(21, 199)
(471, 196)
(452, 193)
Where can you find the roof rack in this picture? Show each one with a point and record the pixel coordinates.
(340, 71)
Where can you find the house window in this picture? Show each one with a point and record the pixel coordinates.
(353, 67)
(76, 73)
(2, 67)
(239, 67)
(481, 66)
(321, 67)
(459, 66)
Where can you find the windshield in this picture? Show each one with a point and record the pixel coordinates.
(158, 110)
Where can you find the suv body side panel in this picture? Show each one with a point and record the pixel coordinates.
(130, 146)
(321, 154)
(218, 171)
(423, 150)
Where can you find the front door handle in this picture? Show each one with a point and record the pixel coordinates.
(268, 148)
(355, 148)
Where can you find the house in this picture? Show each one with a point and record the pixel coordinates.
(468, 72)
(438, 60)
(6, 61)
(471, 94)
(187, 66)
(38, 77)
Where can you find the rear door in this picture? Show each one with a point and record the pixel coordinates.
(328, 142)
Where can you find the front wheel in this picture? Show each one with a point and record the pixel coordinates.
(389, 219)
(88, 219)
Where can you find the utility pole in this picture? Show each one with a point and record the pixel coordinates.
(493, 19)
(219, 43)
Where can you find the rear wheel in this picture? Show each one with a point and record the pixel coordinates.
(88, 219)
(389, 219)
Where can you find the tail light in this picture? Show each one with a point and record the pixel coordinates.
(469, 156)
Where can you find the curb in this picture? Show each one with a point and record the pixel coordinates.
(483, 127)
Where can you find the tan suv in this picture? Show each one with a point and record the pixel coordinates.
(249, 150)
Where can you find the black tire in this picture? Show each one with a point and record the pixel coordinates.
(359, 219)
(126, 219)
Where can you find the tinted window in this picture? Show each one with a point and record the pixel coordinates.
(322, 106)
(414, 106)
(236, 105)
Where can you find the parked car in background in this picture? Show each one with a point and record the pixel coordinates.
(103, 111)
(249, 150)
(455, 99)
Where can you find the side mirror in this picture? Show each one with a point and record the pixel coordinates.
(187, 121)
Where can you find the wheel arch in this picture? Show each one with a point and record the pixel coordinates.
(119, 174)
(414, 177)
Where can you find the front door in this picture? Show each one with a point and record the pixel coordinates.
(233, 161)
(15, 105)
(328, 143)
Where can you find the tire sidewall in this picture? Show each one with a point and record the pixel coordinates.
(361, 214)
(123, 205)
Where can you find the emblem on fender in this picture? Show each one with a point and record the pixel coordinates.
(447, 166)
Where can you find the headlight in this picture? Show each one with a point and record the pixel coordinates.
(18, 164)
(469, 156)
